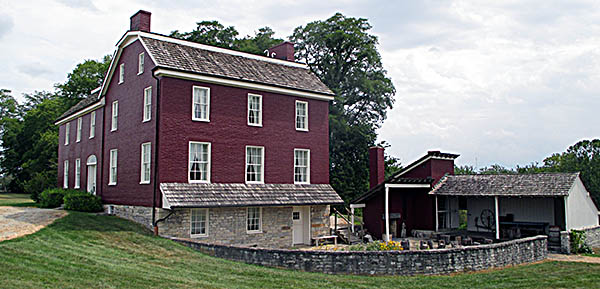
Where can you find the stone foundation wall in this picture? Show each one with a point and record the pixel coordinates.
(138, 214)
(442, 261)
(319, 221)
(228, 226)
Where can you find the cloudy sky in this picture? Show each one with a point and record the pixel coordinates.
(506, 82)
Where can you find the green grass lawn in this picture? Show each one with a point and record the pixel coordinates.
(7, 199)
(89, 251)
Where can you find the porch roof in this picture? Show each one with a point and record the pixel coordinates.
(514, 185)
(184, 195)
(393, 181)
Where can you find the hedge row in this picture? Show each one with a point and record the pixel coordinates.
(74, 200)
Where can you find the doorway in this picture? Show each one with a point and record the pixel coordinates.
(91, 174)
(301, 225)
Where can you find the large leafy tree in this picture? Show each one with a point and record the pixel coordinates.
(29, 136)
(86, 76)
(343, 54)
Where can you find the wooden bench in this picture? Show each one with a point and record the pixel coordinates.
(320, 238)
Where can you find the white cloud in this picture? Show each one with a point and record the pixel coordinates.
(498, 82)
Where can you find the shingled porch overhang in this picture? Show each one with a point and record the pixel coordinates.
(185, 195)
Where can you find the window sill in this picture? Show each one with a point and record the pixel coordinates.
(198, 236)
(255, 183)
(112, 184)
(91, 137)
(146, 120)
(254, 232)
(302, 129)
(76, 188)
(145, 183)
(198, 182)
(301, 183)
(121, 82)
(113, 130)
(255, 125)
(78, 141)
(200, 120)
(140, 73)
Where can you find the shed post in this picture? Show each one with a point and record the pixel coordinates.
(352, 218)
(437, 221)
(497, 217)
(387, 214)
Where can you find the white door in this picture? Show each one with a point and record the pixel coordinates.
(91, 179)
(300, 219)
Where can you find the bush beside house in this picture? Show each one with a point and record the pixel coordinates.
(83, 202)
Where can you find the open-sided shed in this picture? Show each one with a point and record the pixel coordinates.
(514, 204)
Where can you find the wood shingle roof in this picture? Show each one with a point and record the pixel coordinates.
(514, 185)
(184, 195)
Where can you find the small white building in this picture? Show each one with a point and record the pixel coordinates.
(512, 205)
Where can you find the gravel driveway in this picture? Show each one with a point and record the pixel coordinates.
(19, 221)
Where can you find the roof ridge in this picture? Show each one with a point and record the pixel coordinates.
(162, 37)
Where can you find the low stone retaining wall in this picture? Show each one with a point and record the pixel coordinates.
(592, 239)
(439, 261)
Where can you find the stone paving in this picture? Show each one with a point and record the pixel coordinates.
(19, 221)
(573, 258)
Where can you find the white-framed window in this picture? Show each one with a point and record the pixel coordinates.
(67, 132)
(145, 167)
(200, 103)
(79, 124)
(254, 109)
(121, 73)
(147, 104)
(199, 162)
(115, 116)
(93, 124)
(198, 222)
(112, 178)
(254, 220)
(301, 166)
(255, 160)
(77, 173)
(141, 63)
(66, 174)
(301, 115)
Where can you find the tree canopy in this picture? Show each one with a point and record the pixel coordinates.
(27, 131)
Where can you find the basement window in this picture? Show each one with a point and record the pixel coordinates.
(198, 222)
(254, 220)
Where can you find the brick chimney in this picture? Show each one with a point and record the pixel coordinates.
(140, 21)
(376, 166)
(284, 50)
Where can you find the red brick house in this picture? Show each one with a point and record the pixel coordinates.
(226, 146)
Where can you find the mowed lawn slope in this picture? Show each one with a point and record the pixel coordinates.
(89, 251)
(8, 199)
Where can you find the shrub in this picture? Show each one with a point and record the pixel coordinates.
(578, 245)
(52, 198)
(83, 202)
(384, 246)
(38, 183)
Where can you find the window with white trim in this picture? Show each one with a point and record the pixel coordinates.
(254, 220)
(301, 166)
(147, 104)
(115, 115)
(200, 103)
(66, 174)
(198, 222)
(301, 115)
(67, 132)
(93, 124)
(145, 167)
(112, 178)
(141, 63)
(79, 124)
(254, 164)
(199, 162)
(254, 109)
(121, 73)
(77, 173)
